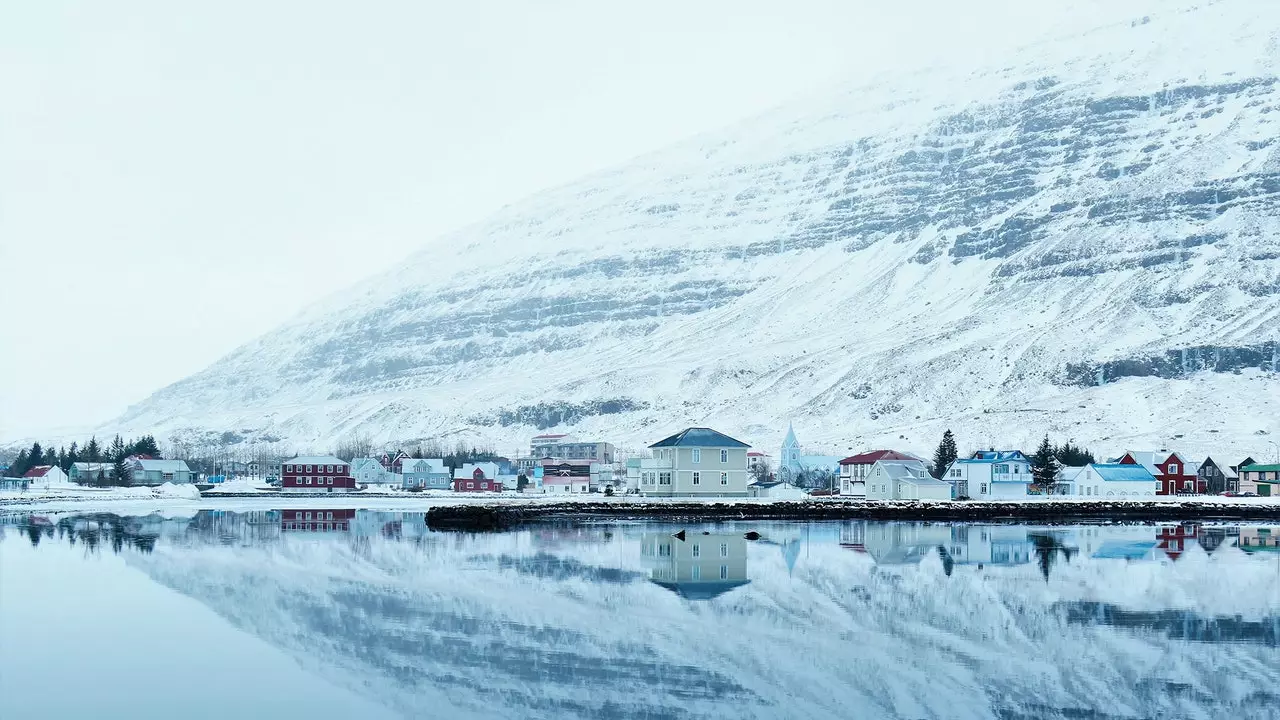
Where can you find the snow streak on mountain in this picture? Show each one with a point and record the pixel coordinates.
(1082, 240)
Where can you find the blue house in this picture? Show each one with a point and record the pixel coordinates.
(426, 474)
(990, 475)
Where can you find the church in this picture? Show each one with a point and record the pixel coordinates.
(794, 464)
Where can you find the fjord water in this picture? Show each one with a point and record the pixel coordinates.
(353, 613)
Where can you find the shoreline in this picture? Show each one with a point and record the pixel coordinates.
(495, 516)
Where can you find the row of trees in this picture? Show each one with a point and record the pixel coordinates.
(114, 452)
(1047, 460)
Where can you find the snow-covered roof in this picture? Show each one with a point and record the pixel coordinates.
(907, 470)
(994, 456)
(1118, 472)
(700, 437)
(314, 460)
(468, 471)
(170, 466)
(38, 471)
(1068, 473)
(423, 465)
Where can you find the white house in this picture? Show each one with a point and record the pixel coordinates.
(696, 462)
(1110, 481)
(991, 475)
(370, 471)
(777, 490)
(854, 469)
(46, 477)
(904, 480)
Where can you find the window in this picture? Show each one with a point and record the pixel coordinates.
(308, 468)
(697, 456)
(308, 481)
(724, 549)
(664, 478)
(983, 489)
(697, 572)
(471, 485)
(878, 470)
(328, 481)
(697, 478)
(724, 456)
(308, 516)
(724, 478)
(697, 550)
(1017, 469)
(328, 516)
(724, 572)
(1173, 468)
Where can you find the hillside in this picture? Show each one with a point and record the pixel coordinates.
(1082, 239)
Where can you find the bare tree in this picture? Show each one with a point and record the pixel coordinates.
(354, 446)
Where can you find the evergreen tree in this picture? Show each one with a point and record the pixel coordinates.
(944, 455)
(92, 451)
(62, 460)
(1072, 456)
(20, 465)
(51, 457)
(120, 472)
(1044, 467)
(73, 454)
(117, 448)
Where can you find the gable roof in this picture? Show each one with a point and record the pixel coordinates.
(869, 458)
(700, 437)
(423, 465)
(38, 471)
(314, 460)
(163, 465)
(994, 456)
(1226, 470)
(1117, 472)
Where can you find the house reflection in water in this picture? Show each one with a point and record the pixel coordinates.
(909, 543)
(316, 520)
(700, 567)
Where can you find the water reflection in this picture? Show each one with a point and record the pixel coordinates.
(645, 620)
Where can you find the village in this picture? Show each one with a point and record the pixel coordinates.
(701, 462)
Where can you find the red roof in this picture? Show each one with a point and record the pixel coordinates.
(38, 471)
(755, 453)
(875, 456)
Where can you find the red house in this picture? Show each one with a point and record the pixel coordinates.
(1172, 472)
(317, 473)
(1178, 539)
(473, 479)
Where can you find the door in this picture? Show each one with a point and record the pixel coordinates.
(1264, 490)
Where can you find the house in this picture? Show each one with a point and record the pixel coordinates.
(478, 477)
(1107, 480)
(568, 476)
(695, 462)
(633, 473)
(46, 477)
(904, 480)
(89, 473)
(755, 459)
(990, 475)
(776, 489)
(316, 473)
(1217, 478)
(566, 447)
(427, 474)
(1261, 480)
(1174, 474)
(854, 469)
(1065, 483)
(265, 468)
(1177, 539)
(696, 567)
(149, 471)
(371, 471)
(796, 463)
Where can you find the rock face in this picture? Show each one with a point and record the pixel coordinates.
(1083, 240)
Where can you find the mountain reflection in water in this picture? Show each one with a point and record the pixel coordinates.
(847, 619)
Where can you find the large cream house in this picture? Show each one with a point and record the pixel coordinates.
(698, 462)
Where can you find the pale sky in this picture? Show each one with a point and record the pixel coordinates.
(161, 162)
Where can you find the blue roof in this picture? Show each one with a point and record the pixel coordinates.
(992, 456)
(1123, 473)
(700, 437)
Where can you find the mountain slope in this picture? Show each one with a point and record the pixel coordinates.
(1082, 240)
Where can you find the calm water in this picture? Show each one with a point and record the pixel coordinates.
(353, 613)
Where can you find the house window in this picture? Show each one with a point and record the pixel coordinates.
(983, 489)
(308, 468)
(697, 456)
(724, 456)
(328, 516)
(664, 478)
(724, 478)
(308, 480)
(697, 478)
(471, 485)
(724, 549)
(955, 472)
(724, 572)
(308, 516)
(328, 481)
(697, 550)
(1173, 468)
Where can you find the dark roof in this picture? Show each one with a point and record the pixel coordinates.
(701, 590)
(871, 458)
(700, 437)
(38, 471)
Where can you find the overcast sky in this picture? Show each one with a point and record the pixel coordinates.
(161, 162)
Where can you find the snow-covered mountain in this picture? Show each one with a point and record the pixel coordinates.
(1082, 239)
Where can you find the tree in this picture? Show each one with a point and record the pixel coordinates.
(120, 471)
(944, 455)
(35, 456)
(93, 451)
(20, 465)
(522, 482)
(1044, 467)
(760, 471)
(1073, 456)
